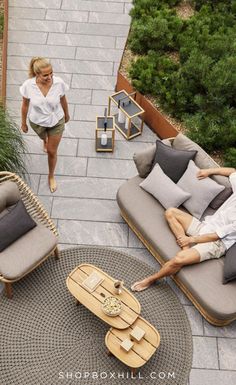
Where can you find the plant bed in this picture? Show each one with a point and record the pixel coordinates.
(180, 56)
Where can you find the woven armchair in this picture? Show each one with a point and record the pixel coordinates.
(41, 217)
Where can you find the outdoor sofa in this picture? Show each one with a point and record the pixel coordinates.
(202, 283)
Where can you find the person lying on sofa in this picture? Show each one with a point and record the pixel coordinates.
(199, 240)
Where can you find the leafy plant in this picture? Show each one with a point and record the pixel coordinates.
(12, 147)
(230, 157)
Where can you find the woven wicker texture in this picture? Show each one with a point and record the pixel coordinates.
(45, 337)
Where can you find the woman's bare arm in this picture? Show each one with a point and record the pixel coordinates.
(225, 171)
(64, 105)
(24, 112)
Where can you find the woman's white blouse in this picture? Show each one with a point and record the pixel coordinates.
(44, 110)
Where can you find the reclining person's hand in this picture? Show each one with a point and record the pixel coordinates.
(184, 240)
(204, 173)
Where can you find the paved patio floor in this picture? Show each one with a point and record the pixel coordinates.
(84, 40)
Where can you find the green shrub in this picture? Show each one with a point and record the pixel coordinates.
(1, 22)
(198, 86)
(155, 32)
(12, 147)
(230, 157)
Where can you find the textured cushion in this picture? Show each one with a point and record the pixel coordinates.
(9, 194)
(173, 162)
(221, 198)
(203, 160)
(22, 255)
(147, 215)
(143, 160)
(164, 189)
(202, 190)
(230, 265)
(14, 224)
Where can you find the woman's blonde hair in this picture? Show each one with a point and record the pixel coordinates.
(36, 64)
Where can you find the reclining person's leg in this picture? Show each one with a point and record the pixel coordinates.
(183, 258)
(179, 221)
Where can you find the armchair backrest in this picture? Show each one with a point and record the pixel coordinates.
(9, 194)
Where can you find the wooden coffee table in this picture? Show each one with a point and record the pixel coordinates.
(93, 301)
(141, 351)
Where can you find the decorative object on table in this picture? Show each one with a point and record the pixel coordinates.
(92, 281)
(126, 345)
(129, 118)
(105, 133)
(112, 306)
(77, 335)
(118, 286)
(137, 333)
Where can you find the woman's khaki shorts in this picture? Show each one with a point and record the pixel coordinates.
(207, 250)
(43, 132)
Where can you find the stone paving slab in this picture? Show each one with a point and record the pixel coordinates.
(36, 25)
(97, 29)
(224, 331)
(212, 377)
(68, 147)
(123, 149)
(26, 13)
(194, 317)
(93, 233)
(27, 37)
(67, 165)
(81, 187)
(109, 18)
(98, 6)
(86, 210)
(80, 16)
(80, 40)
(112, 168)
(227, 356)
(99, 54)
(41, 50)
(205, 353)
(36, 3)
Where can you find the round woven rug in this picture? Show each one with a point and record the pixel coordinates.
(47, 340)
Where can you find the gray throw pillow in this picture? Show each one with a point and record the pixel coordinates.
(202, 160)
(14, 224)
(164, 189)
(230, 265)
(143, 160)
(202, 191)
(173, 162)
(221, 198)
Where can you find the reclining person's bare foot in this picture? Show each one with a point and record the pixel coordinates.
(141, 285)
(52, 184)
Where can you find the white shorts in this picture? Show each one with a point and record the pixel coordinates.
(207, 250)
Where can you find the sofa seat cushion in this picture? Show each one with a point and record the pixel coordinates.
(204, 281)
(147, 215)
(22, 255)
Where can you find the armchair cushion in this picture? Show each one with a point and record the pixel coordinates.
(24, 254)
(9, 194)
(15, 223)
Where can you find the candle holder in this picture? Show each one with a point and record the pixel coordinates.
(129, 118)
(105, 134)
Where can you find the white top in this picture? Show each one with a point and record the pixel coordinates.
(44, 110)
(223, 221)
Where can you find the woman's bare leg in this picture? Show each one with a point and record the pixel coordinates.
(183, 258)
(52, 146)
(179, 222)
(45, 143)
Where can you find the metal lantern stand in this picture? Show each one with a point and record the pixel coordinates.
(110, 132)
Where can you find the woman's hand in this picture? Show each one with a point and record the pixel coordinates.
(184, 241)
(67, 118)
(204, 173)
(24, 127)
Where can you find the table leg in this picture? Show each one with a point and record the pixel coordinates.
(133, 370)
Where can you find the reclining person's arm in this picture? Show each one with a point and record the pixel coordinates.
(204, 238)
(224, 171)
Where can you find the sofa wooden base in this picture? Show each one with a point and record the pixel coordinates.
(204, 313)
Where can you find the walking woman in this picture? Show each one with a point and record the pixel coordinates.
(45, 103)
